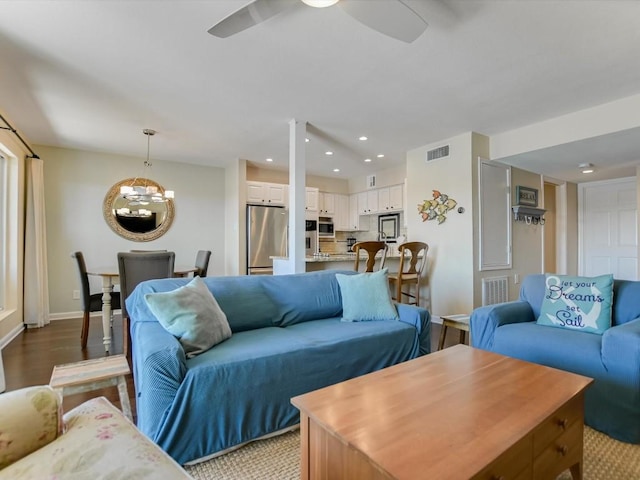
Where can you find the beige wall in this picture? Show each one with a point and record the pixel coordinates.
(235, 218)
(455, 282)
(603, 119)
(75, 185)
(324, 184)
(11, 319)
(450, 267)
(527, 239)
(572, 228)
(384, 178)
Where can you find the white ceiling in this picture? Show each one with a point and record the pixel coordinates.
(92, 74)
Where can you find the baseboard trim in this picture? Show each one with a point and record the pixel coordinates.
(71, 315)
(11, 335)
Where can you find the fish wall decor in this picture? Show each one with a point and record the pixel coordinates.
(437, 207)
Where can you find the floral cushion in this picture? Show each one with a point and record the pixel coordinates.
(30, 418)
(99, 443)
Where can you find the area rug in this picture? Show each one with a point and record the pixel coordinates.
(278, 458)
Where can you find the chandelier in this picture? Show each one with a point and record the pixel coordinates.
(140, 192)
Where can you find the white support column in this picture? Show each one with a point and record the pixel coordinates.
(297, 171)
(295, 263)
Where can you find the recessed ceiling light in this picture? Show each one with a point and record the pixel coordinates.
(336, 170)
(306, 140)
(363, 138)
(269, 159)
(320, 3)
(367, 160)
(328, 153)
(586, 167)
(381, 155)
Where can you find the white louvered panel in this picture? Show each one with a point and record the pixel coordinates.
(495, 290)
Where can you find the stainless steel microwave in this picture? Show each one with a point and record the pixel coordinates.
(325, 228)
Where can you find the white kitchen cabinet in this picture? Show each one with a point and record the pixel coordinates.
(372, 201)
(361, 203)
(326, 203)
(390, 199)
(266, 193)
(311, 199)
(341, 213)
(396, 197)
(357, 221)
(368, 202)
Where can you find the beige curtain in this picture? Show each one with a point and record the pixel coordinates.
(36, 287)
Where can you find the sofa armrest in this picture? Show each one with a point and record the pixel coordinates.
(420, 318)
(159, 367)
(100, 442)
(485, 320)
(30, 418)
(621, 350)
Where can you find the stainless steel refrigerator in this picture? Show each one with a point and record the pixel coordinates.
(266, 237)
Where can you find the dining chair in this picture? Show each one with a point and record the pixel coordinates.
(137, 267)
(90, 302)
(146, 251)
(372, 249)
(202, 263)
(413, 258)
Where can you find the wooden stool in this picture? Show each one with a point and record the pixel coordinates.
(461, 322)
(91, 375)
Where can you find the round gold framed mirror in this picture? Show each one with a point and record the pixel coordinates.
(139, 221)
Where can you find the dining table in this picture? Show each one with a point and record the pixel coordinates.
(111, 277)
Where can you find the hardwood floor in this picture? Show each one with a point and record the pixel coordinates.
(30, 357)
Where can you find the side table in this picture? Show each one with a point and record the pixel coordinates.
(460, 322)
(91, 375)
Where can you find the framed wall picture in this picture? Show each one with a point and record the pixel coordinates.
(526, 196)
(390, 226)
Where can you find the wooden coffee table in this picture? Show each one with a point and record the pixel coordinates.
(459, 413)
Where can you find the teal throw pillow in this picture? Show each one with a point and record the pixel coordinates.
(191, 314)
(577, 303)
(365, 297)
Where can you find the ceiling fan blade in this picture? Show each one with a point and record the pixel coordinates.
(254, 13)
(389, 17)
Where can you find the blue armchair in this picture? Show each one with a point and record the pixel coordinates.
(612, 403)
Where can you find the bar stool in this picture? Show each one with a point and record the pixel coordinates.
(372, 249)
(414, 255)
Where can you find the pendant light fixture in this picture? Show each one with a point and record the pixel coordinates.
(140, 192)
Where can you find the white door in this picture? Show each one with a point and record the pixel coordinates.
(608, 215)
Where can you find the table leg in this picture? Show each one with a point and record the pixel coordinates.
(462, 333)
(107, 288)
(443, 333)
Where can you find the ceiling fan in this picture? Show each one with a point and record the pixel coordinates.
(393, 18)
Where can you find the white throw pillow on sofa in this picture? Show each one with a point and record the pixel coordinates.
(192, 314)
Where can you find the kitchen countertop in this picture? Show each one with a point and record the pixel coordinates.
(336, 257)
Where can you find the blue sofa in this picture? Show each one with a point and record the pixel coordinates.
(612, 403)
(288, 339)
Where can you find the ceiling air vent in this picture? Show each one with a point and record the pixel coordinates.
(437, 153)
(371, 181)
